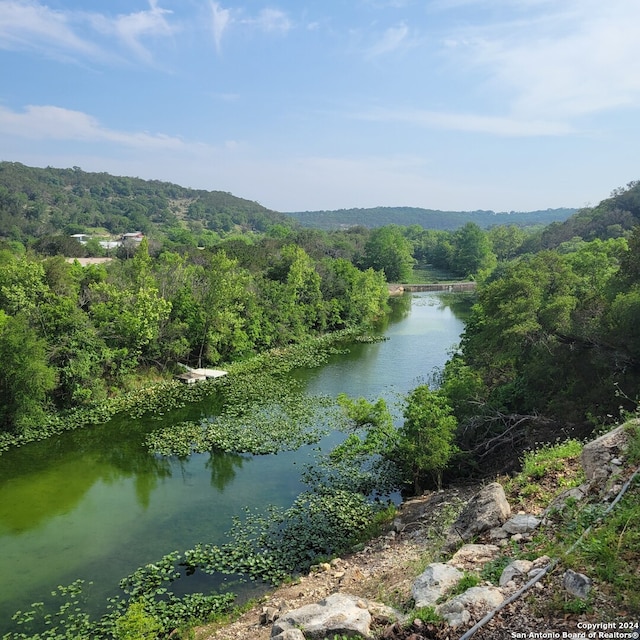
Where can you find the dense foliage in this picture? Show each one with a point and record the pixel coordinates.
(552, 348)
(69, 335)
(611, 218)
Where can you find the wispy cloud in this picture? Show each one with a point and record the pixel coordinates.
(28, 25)
(267, 21)
(31, 25)
(471, 123)
(132, 28)
(48, 122)
(220, 19)
(273, 20)
(391, 40)
(557, 60)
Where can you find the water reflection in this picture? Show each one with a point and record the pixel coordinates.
(223, 467)
(50, 478)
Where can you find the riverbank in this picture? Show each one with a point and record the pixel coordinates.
(387, 568)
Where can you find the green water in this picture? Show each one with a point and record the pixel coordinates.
(94, 504)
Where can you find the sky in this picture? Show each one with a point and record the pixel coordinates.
(509, 105)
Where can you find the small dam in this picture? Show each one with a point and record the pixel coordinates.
(451, 287)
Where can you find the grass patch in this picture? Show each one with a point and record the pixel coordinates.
(425, 614)
(546, 472)
(633, 448)
(492, 570)
(610, 553)
(427, 274)
(467, 581)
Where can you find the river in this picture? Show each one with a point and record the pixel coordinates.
(94, 504)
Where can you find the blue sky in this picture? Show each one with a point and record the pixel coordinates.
(299, 105)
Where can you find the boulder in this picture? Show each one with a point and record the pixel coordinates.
(487, 510)
(290, 634)
(577, 584)
(473, 556)
(517, 570)
(598, 454)
(434, 582)
(560, 502)
(478, 600)
(521, 523)
(337, 615)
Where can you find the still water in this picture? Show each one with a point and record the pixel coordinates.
(94, 504)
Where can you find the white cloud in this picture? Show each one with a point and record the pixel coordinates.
(220, 19)
(471, 123)
(131, 27)
(28, 24)
(273, 20)
(270, 21)
(392, 39)
(55, 123)
(557, 60)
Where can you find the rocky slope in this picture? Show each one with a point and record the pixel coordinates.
(503, 537)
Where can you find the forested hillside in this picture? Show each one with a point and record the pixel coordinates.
(35, 203)
(427, 218)
(611, 218)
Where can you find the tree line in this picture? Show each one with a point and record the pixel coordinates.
(70, 335)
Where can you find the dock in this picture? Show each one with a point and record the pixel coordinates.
(191, 375)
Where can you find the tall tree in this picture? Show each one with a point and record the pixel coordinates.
(472, 253)
(25, 376)
(426, 438)
(389, 251)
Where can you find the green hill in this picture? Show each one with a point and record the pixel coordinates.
(42, 202)
(427, 218)
(611, 218)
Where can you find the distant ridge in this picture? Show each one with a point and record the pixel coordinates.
(37, 202)
(427, 218)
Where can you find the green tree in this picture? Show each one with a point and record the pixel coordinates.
(22, 284)
(389, 251)
(215, 309)
(26, 379)
(130, 312)
(472, 251)
(426, 438)
(506, 240)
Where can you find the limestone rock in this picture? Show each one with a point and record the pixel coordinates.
(559, 503)
(454, 613)
(290, 634)
(577, 584)
(268, 615)
(498, 533)
(473, 556)
(480, 600)
(486, 510)
(598, 454)
(521, 524)
(433, 582)
(517, 570)
(338, 614)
